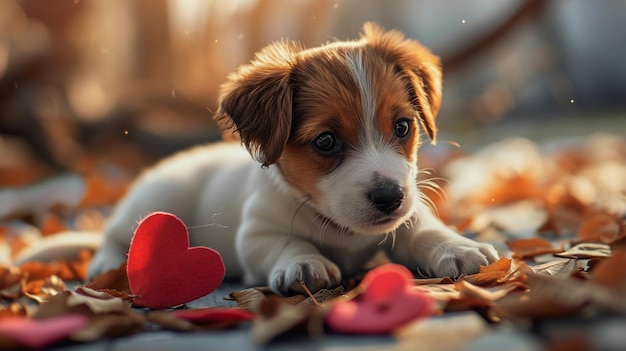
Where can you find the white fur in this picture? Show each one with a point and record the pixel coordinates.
(269, 235)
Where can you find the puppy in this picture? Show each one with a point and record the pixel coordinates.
(336, 131)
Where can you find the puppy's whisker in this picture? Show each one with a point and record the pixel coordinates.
(295, 213)
(323, 227)
(209, 225)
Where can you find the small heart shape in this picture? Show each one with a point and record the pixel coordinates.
(389, 301)
(37, 334)
(214, 314)
(163, 271)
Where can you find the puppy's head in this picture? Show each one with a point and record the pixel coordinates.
(341, 122)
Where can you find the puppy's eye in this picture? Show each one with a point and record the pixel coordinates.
(325, 144)
(402, 128)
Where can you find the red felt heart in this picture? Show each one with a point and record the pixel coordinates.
(388, 302)
(37, 334)
(214, 314)
(163, 270)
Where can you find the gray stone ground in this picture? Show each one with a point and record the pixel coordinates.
(449, 332)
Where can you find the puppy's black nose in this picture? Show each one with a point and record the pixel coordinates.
(387, 199)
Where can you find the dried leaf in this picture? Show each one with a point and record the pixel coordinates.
(107, 317)
(488, 295)
(37, 270)
(441, 293)
(611, 273)
(501, 265)
(72, 302)
(10, 283)
(601, 228)
(586, 250)
(212, 318)
(558, 267)
(250, 299)
(65, 269)
(278, 317)
(15, 309)
(113, 282)
(452, 332)
(102, 190)
(105, 294)
(528, 248)
(52, 224)
(110, 325)
(491, 274)
(430, 281)
(43, 289)
(554, 297)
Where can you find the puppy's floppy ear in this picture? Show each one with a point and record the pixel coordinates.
(421, 68)
(256, 101)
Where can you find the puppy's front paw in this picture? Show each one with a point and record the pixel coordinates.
(455, 258)
(315, 271)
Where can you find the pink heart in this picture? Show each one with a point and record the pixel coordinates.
(37, 334)
(388, 302)
(163, 270)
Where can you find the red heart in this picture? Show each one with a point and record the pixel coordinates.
(37, 334)
(214, 314)
(388, 302)
(163, 270)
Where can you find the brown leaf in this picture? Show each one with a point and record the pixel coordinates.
(110, 325)
(37, 270)
(501, 265)
(107, 317)
(555, 297)
(105, 294)
(101, 190)
(43, 289)
(75, 269)
(202, 319)
(528, 248)
(586, 250)
(429, 281)
(558, 267)
(601, 227)
(113, 282)
(278, 317)
(443, 294)
(250, 299)
(10, 283)
(611, 273)
(52, 224)
(491, 274)
(454, 332)
(15, 309)
(510, 188)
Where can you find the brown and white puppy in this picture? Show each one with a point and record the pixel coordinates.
(336, 129)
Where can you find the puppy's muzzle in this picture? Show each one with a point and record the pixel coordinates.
(387, 198)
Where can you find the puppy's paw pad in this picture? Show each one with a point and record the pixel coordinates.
(314, 272)
(460, 259)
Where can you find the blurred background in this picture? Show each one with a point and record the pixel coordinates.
(118, 84)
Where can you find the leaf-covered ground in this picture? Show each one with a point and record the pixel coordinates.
(558, 218)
